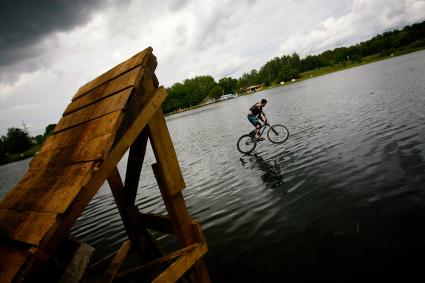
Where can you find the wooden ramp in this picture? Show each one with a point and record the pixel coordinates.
(117, 111)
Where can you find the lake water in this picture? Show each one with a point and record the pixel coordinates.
(343, 199)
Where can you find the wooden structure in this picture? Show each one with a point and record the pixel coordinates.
(118, 111)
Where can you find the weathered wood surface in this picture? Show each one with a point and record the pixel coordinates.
(11, 259)
(138, 59)
(182, 265)
(139, 236)
(93, 111)
(157, 262)
(165, 154)
(116, 263)
(102, 121)
(175, 204)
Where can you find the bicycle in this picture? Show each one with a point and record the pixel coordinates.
(276, 134)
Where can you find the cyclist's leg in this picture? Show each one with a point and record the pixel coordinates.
(254, 121)
(257, 129)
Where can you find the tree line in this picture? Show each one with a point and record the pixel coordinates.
(287, 67)
(17, 141)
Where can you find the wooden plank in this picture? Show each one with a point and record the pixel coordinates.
(124, 81)
(87, 150)
(156, 262)
(165, 154)
(199, 235)
(99, 127)
(116, 263)
(176, 208)
(144, 89)
(95, 267)
(11, 260)
(125, 66)
(140, 237)
(26, 226)
(94, 111)
(40, 199)
(70, 175)
(181, 265)
(181, 221)
(119, 149)
(134, 166)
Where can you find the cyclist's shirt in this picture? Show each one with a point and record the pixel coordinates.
(256, 109)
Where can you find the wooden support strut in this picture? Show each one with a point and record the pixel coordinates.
(116, 263)
(143, 242)
(170, 181)
(134, 165)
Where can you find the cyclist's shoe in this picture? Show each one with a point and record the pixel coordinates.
(259, 139)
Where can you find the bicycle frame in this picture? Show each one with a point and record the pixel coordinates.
(263, 128)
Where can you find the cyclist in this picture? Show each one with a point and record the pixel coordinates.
(256, 115)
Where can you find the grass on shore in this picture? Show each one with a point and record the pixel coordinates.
(350, 64)
(322, 71)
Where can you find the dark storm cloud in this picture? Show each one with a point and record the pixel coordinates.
(26, 23)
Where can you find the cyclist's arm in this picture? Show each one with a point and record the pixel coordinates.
(263, 118)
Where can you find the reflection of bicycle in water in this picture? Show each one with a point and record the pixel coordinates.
(276, 134)
(272, 175)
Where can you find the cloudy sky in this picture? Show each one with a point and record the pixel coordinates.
(49, 48)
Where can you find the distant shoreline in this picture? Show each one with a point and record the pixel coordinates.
(315, 73)
(304, 76)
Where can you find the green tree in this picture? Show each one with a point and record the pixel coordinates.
(189, 93)
(216, 92)
(3, 154)
(16, 140)
(39, 139)
(229, 85)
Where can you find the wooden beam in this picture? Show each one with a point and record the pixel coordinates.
(181, 266)
(165, 154)
(158, 261)
(126, 80)
(116, 263)
(134, 165)
(118, 70)
(95, 267)
(181, 221)
(140, 237)
(11, 260)
(94, 111)
(176, 208)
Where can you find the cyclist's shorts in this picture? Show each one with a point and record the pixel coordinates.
(254, 120)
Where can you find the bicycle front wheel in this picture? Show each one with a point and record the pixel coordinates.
(246, 144)
(278, 134)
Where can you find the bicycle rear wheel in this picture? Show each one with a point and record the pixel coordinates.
(246, 144)
(278, 134)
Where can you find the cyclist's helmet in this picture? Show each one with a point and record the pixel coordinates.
(263, 101)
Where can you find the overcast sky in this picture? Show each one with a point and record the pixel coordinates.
(48, 48)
